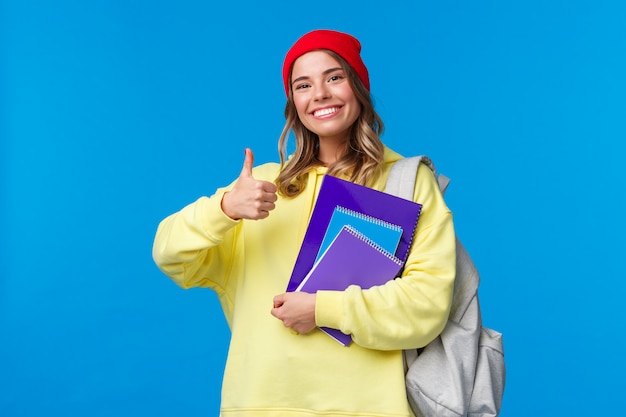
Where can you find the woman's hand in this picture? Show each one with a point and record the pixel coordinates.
(296, 310)
(249, 198)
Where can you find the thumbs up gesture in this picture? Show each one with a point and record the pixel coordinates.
(249, 198)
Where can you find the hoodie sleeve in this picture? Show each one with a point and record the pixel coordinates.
(195, 246)
(411, 311)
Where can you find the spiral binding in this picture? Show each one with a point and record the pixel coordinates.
(368, 218)
(373, 244)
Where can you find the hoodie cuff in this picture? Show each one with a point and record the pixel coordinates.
(329, 309)
(214, 218)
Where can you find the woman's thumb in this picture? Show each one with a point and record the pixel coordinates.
(248, 162)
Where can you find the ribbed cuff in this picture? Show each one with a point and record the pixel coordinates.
(213, 217)
(329, 309)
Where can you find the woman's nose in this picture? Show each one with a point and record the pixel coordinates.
(322, 92)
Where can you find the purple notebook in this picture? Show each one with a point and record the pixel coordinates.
(350, 259)
(337, 192)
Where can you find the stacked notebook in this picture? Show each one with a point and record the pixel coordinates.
(356, 236)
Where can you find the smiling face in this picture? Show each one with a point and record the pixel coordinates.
(323, 97)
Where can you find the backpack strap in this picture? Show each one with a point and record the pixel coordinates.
(401, 180)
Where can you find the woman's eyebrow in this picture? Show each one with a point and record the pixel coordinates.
(326, 72)
(329, 70)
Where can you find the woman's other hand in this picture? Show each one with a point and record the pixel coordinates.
(296, 310)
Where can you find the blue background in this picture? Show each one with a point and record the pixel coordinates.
(114, 114)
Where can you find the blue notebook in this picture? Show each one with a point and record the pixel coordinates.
(384, 234)
(350, 259)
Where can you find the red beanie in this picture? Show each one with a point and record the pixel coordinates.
(346, 46)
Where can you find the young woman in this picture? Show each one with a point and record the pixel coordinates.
(243, 241)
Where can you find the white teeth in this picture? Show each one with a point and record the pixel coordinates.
(325, 112)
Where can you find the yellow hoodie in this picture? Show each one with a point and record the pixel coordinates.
(271, 371)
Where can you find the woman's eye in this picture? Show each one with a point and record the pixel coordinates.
(335, 78)
(301, 86)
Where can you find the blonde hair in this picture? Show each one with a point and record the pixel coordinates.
(362, 160)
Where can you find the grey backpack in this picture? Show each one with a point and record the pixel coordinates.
(462, 372)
